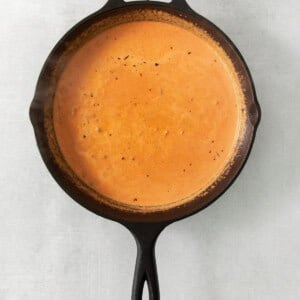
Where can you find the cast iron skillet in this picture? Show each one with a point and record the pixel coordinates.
(145, 226)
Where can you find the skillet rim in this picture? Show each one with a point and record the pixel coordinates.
(42, 95)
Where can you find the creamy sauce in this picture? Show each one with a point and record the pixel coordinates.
(147, 113)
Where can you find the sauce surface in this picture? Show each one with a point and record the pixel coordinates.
(148, 113)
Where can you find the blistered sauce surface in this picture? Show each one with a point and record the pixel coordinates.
(147, 113)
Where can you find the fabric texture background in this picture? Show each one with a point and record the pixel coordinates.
(245, 246)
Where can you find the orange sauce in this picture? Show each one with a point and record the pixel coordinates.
(148, 113)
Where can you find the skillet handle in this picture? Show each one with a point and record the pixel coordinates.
(180, 4)
(145, 269)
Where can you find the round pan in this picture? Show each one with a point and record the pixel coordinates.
(144, 225)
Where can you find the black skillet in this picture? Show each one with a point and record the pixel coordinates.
(145, 226)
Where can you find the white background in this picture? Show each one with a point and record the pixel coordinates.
(245, 246)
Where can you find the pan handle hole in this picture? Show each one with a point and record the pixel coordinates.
(145, 291)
